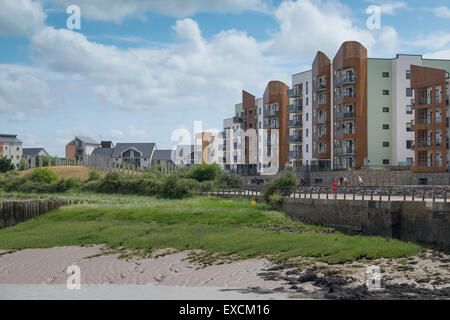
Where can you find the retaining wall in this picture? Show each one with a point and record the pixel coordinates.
(415, 221)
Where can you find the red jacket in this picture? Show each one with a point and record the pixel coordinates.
(334, 186)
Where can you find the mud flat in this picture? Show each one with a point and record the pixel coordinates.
(168, 274)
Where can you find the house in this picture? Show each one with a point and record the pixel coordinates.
(29, 153)
(11, 148)
(184, 155)
(138, 154)
(80, 148)
(163, 157)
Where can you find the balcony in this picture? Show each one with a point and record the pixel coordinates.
(296, 123)
(319, 135)
(294, 154)
(271, 113)
(345, 151)
(347, 95)
(424, 163)
(321, 86)
(294, 139)
(237, 119)
(424, 143)
(347, 79)
(424, 101)
(424, 121)
(271, 125)
(322, 100)
(321, 150)
(344, 131)
(321, 120)
(345, 116)
(294, 93)
(294, 108)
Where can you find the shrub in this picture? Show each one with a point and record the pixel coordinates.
(94, 175)
(203, 172)
(225, 179)
(65, 184)
(6, 165)
(174, 187)
(285, 183)
(275, 199)
(207, 185)
(42, 175)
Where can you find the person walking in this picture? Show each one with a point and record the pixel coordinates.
(345, 181)
(334, 187)
(360, 180)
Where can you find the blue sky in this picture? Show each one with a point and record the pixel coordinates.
(138, 70)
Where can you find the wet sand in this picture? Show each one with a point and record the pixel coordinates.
(41, 274)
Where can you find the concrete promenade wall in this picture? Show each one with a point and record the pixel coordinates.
(415, 221)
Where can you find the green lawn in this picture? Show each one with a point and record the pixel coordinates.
(217, 226)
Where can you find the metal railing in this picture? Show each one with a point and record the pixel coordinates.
(345, 115)
(355, 193)
(294, 123)
(294, 154)
(294, 139)
(271, 112)
(295, 108)
(294, 93)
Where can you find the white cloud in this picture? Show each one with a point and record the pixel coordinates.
(30, 140)
(192, 72)
(434, 41)
(20, 17)
(116, 133)
(117, 10)
(442, 12)
(22, 92)
(308, 26)
(441, 54)
(137, 133)
(18, 117)
(389, 7)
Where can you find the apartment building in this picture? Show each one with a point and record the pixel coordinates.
(371, 112)
(275, 101)
(11, 148)
(80, 148)
(300, 120)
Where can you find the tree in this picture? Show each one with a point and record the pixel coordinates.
(6, 165)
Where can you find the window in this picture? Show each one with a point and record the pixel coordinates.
(307, 100)
(385, 144)
(409, 92)
(307, 92)
(307, 116)
(307, 132)
(385, 126)
(17, 149)
(385, 161)
(408, 126)
(385, 92)
(408, 74)
(409, 110)
(409, 144)
(307, 147)
(385, 109)
(409, 161)
(385, 74)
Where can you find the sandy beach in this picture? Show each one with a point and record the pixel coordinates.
(167, 274)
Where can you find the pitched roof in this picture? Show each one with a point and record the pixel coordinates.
(9, 138)
(86, 140)
(146, 149)
(102, 152)
(32, 151)
(163, 155)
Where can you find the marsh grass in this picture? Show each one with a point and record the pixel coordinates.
(220, 228)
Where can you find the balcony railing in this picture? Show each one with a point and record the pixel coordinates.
(321, 86)
(319, 135)
(345, 151)
(322, 100)
(271, 113)
(294, 123)
(344, 131)
(321, 150)
(294, 154)
(321, 120)
(294, 139)
(270, 125)
(292, 108)
(425, 163)
(345, 79)
(424, 121)
(346, 96)
(345, 115)
(292, 93)
(424, 143)
(424, 100)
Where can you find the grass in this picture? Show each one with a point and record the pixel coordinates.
(66, 172)
(221, 228)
